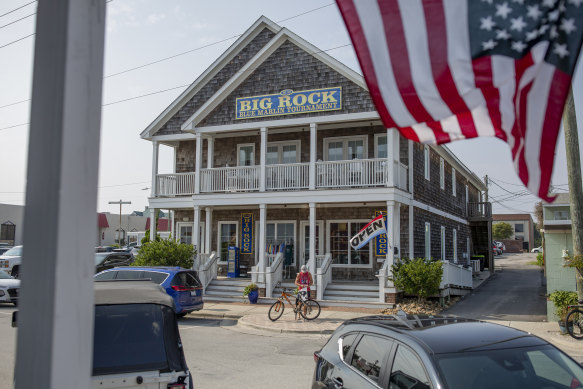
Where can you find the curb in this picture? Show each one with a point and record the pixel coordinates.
(243, 323)
(218, 316)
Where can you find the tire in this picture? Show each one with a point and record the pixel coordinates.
(574, 323)
(310, 309)
(276, 310)
(182, 314)
(15, 272)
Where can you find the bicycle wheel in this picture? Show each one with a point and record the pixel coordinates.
(310, 309)
(574, 322)
(276, 310)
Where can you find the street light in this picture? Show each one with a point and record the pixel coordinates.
(120, 202)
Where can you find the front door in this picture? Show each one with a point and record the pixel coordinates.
(184, 234)
(305, 240)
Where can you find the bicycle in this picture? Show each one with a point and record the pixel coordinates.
(574, 321)
(306, 307)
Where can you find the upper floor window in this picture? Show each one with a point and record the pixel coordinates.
(519, 228)
(426, 162)
(381, 149)
(339, 149)
(453, 182)
(246, 154)
(441, 173)
(7, 231)
(282, 152)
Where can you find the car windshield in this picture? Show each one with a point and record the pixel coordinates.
(4, 275)
(15, 251)
(129, 338)
(526, 367)
(99, 257)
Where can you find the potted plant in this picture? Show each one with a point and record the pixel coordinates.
(252, 292)
(562, 299)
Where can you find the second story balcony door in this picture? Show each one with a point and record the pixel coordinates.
(246, 154)
(345, 149)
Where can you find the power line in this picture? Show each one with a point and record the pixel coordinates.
(17, 20)
(16, 9)
(17, 40)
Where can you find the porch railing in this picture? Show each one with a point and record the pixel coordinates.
(456, 276)
(207, 271)
(357, 172)
(481, 210)
(401, 175)
(273, 274)
(175, 184)
(230, 179)
(323, 276)
(287, 176)
(383, 277)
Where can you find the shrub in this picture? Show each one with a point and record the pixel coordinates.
(562, 299)
(419, 276)
(540, 260)
(250, 288)
(146, 237)
(165, 253)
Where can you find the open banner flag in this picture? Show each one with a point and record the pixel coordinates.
(368, 232)
(443, 70)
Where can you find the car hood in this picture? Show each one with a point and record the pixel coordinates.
(9, 283)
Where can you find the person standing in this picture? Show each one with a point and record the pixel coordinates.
(304, 280)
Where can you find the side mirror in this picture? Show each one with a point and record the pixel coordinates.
(14, 319)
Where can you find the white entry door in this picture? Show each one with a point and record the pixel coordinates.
(184, 234)
(305, 240)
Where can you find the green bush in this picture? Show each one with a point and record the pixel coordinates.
(502, 230)
(420, 277)
(540, 260)
(562, 299)
(146, 237)
(165, 253)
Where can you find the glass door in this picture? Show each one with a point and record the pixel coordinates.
(305, 240)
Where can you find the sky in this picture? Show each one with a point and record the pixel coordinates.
(140, 35)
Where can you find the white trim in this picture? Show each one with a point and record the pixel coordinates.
(219, 224)
(426, 162)
(442, 243)
(376, 144)
(436, 211)
(280, 145)
(320, 248)
(344, 140)
(202, 230)
(348, 221)
(239, 146)
(441, 173)
(209, 73)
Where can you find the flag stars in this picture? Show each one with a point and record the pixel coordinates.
(518, 46)
(502, 34)
(561, 50)
(487, 23)
(576, 3)
(534, 12)
(503, 10)
(568, 25)
(489, 45)
(554, 34)
(488, 1)
(554, 16)
(549, 3)
(518, 1)
(531, 35)
(517, 24)
(543, 29)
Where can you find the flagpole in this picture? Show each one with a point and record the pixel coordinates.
(575, 185)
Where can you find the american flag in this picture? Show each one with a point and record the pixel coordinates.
(444, 70)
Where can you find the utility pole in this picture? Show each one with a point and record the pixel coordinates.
(120, 202)
(486, 182)
(575, 186)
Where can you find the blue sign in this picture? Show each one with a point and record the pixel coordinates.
(382, 243)
(246, 233)
(288, 102)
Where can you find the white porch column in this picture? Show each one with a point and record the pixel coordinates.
(313, 155)
(55, 326)
(210, 147)
(198, 159)
(411, 235)
(153, 226)
(261, 248)
(390, 231)
(196, 229)
(155, 151)
(172, 226)
(263, 158)
(313, 239)
(207, 234)
(390, 158)
(410, 167)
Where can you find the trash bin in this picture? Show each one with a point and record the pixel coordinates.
(233, 266)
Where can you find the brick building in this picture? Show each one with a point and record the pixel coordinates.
(522, 229)
(278, 148)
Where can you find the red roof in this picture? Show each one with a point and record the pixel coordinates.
(102, 221)
(162, 224)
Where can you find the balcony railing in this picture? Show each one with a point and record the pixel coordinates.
(355, 173)
(479, 211)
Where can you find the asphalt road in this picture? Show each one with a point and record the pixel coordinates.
(514, 293)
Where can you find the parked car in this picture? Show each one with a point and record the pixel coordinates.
(104, 249)
(4, 249)
(181, 284)
(9, 287)
(500, 245)
(538, 249)
(11, 260)
(425, 352)
(112, 259)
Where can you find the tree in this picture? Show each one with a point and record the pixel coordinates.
(502, 230)
(165, 252)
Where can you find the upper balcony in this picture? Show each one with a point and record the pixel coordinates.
(356, 173)
(481, 211)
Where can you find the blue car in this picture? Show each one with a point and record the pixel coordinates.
(181, 284)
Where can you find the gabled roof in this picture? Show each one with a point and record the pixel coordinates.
(283, 36)
(209, 73)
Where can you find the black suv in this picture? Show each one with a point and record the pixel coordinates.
(108, 260)
(422, 352)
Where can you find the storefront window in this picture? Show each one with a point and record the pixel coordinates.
(227, 237)
(280, 237)
(340, 249)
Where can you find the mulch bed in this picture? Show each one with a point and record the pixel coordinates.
(413, 307)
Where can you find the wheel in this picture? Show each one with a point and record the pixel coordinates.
(276, 310)
(574, 322)
(310, 309)
(15, 272)
(181, 314)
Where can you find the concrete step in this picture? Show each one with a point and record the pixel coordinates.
(225, 299)
(222, 293)
(351, 298)
(355, 293)
(221, 287)
(353, 286)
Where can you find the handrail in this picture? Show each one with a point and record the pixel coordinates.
(455, 276)
(383, 277)
(207, 271)
(323, 276)
(273, 274)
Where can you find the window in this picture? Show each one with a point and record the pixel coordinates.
(369, 355)
(108, 275)
(467, 195)
(453, 182)
(427, 240)
(442, 243)
(342, 149)
(347, 343)
(246, 154)
(455, 245)
(519, 228)
(426, 162)
(381, 150)
(185, 279)
(155, 276)
(441, 173)
(281, 237)
(129, 274)
(228, 236)
(407, 371)
(342, 252)
(282, 152)
(7, 231)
